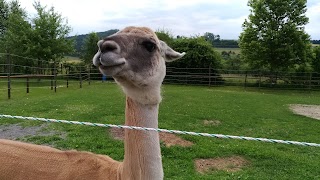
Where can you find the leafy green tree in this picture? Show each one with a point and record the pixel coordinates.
(49, 35)
(316, 60)
(15, 29)
(165, 35)
(211, 37)
(273, 36)
(199, 53)
(232, 61)
(89, 48)
(4, 10)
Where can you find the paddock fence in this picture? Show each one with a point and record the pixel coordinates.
(18, 72)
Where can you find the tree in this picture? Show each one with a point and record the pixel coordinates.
(50, 31)
(316, 59)
(4, 10)
(273, 36)
(89, 48)
(211, 37)
(15, 29)
(200, 53)
(165, 35)
(232, 61)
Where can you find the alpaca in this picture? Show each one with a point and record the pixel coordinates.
(135, 57)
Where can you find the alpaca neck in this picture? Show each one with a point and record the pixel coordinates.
(142, 159)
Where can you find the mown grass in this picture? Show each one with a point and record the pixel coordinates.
(253, 113)
(236, 50)
(71, 59)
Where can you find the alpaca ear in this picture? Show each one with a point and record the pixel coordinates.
(168, 53)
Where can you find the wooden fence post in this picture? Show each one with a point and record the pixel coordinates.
(260, 76)
(9, 74)
(245, 80)
(310, 81)
(55, 76)
(69, 69)
(27, 84)
(52, 72)
(209, 75)
(80, 76)
(89, 74)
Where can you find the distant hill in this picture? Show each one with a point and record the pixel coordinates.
(79, 39)
(315, 41)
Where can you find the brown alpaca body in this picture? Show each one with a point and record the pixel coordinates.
(135, 57)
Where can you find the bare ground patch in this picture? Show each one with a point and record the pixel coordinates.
(211, 122)
(229, 164)
(168, 139)
(312, 111)
(16, 131)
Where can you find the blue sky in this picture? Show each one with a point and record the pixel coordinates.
(180, 17)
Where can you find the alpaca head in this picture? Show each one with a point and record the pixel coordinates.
(135, 58)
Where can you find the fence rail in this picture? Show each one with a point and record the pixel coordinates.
(17, 69)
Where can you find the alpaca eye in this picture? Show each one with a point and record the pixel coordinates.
(150, 46)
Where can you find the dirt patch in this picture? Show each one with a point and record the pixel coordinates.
(168, 139)
(173, 140)
(211, 122)
(229, 164)
(15, 131)
(312, 111)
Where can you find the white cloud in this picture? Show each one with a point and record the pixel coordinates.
(182, 17)
(313, 28)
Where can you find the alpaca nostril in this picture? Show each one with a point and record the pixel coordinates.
(109, 46)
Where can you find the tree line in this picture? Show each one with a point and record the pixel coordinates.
(273, 39)
(41, 38)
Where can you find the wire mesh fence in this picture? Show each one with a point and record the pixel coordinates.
(18, 72)
(245, 78)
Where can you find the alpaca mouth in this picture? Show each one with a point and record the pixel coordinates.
(110, 65)
(111, 59)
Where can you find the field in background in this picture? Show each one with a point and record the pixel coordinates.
(71, 59)
(263, 113)
(236, 50)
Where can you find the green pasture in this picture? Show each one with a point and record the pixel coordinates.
(254, 113)
(236, 50)
(71, 59)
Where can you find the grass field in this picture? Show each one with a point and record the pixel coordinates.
(71, 59)
(247, 113)
(236, 50)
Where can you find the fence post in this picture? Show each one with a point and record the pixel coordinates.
(9, 74)
(245, 80)
(52, 71)
(69, 69)
(27, 84)
(310, 80)
(209, 75)
(186, 82)
(260, 76)
(80, 76)
(55, 76)
(89, 74)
